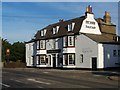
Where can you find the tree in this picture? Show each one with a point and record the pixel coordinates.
(17, 51)
(5, 45)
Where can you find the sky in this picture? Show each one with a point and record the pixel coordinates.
(21, 20)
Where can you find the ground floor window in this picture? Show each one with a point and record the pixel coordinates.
(81, 58)
(41, 59)
(38, 60)
(69, 59)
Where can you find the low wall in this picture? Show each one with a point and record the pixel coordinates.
(14, 65)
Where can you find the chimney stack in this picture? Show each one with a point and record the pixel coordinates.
(107, 18)
(88, 10)
(61, 20)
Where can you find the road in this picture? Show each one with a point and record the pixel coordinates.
(53, 78)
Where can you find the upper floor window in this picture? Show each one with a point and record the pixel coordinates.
(54, 43)
(42, 44)
(43, 32)
(38, 44)
(55, 29)
(71, 26)
(71, 41)
(65, 41)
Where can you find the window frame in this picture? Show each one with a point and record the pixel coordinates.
(41, 63)
(114, 53)
(72, 41)
(38, 44)
(71, 26)
(43, 43)
(72, 58)
(38, 59)
(118, 53)
(66, 59)
(81, 58)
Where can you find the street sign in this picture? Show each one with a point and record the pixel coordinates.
(7, 52)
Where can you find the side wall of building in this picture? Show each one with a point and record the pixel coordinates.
(111, 56)
(86, 47)
(29, 54)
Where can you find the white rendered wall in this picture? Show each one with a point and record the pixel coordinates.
(93, 28)
(109, 58)
(29, 54)
(100, 56)
(87, 47)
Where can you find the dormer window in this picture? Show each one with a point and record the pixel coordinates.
(55, 29)
(43, 32)
(71, 26)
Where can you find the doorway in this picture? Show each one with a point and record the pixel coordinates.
(54, 61)
(94, 63)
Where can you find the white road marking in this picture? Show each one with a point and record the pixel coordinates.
(5, 85)
(40, 87)
(30, 79)
(45, 72)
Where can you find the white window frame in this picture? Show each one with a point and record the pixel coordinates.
(73, 59)
(71, 41)
(65, 41)
(42, 44)
(55, 29)
(81, 58)
(43, 62)
(45, 31)
(38, 60)
(71, 26)
(114, 53)
(65, 57)
(42, 32)
(38, 44)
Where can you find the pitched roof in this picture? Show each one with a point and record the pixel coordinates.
(63, 28)
(104, 38)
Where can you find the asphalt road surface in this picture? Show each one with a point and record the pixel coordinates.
(54, 78)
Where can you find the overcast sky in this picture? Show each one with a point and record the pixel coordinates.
(20, 21)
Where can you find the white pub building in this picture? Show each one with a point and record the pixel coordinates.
(83, 42)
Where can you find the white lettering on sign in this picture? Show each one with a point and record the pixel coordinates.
(90, 25)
